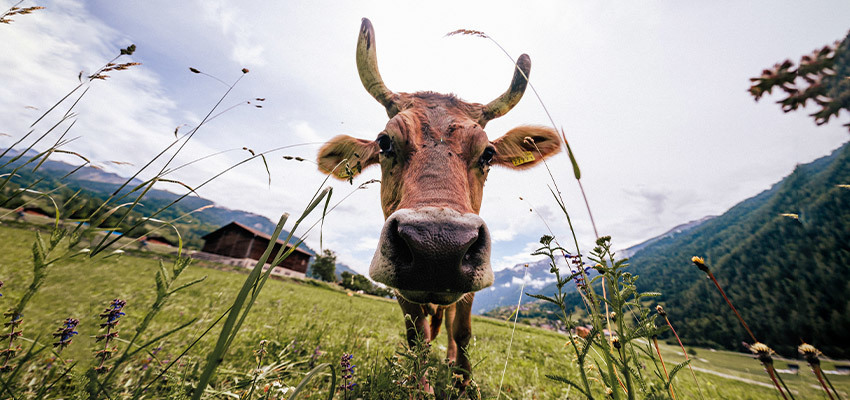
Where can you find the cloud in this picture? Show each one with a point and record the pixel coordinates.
(653, 200)
(523, 256)
(246, 49)
(536, 283)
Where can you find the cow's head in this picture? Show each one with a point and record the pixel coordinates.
(434, 157)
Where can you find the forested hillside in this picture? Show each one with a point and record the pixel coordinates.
(95, 186)
(786, 274)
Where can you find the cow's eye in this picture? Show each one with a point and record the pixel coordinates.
(385, 143)
(487, 156)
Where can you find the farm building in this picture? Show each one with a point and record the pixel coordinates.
(160, 240)
(239, 245)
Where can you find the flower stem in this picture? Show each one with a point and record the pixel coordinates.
(711, 275)
(772, 373)
(658, 350)
(818, 374)
(686, 356)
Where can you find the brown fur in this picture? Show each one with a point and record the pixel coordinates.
(436, 161)
(437, 146)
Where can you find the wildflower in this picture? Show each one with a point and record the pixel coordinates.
(9, 352)
(347, 372)
(111, 314)
(762, 352)
(66, 333)
(616, 342)
(700, 263)
(660, 311)
(810, 353)
(764, 355)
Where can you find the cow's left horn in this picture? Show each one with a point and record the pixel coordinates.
(510, 98)
(367, 67)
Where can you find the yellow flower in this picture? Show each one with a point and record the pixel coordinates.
(700, 263)
(759, 348)
(807, 349)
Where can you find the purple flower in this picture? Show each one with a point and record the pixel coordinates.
(66, 333)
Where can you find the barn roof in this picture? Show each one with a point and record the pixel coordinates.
(257, 233)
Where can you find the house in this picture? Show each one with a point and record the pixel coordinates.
(239, 245)
(160, 240)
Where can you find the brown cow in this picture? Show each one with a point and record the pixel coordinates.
(435, 156)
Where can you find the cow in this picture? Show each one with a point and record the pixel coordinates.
(434, 154)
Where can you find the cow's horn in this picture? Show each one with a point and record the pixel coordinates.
(510, 98)
(367, 67)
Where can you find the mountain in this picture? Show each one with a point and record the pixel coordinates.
(786, 275)
(677, 230)
(340, 268)
(505, 290)
(98, 185)
(780, 256)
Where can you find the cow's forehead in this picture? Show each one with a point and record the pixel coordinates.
(433, 116)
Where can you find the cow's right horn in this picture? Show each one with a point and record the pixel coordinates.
(510, 98)
(367, 67)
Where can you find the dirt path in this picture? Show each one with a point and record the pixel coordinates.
(737, 378)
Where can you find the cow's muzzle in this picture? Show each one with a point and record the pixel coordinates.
(433, 255)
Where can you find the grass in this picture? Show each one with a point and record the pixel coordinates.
(310, 316)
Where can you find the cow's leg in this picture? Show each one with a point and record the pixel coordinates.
(415, 322)
(462, 332)
(451, 347)
(416, 325)
(436, 320)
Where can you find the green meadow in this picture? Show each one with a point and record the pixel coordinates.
(306, 323)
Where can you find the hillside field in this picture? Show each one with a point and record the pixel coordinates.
(306, 322)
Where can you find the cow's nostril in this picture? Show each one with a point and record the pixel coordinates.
(475, 252)
(400, 248)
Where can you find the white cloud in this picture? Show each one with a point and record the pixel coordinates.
(247, 49)
(535, 283)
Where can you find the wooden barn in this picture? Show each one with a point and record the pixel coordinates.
(237, 244)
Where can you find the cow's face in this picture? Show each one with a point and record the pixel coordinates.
(434, 156)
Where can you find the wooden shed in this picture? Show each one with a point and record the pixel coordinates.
(241, 242)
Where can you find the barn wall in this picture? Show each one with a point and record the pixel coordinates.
(237, 243)
(230, 243)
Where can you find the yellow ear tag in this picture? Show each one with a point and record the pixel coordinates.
(526, 157)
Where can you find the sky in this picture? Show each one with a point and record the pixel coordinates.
(652, 96)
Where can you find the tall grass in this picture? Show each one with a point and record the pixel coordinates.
(65, 242)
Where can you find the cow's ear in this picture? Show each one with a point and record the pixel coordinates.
(523, 146)
(345, 156)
